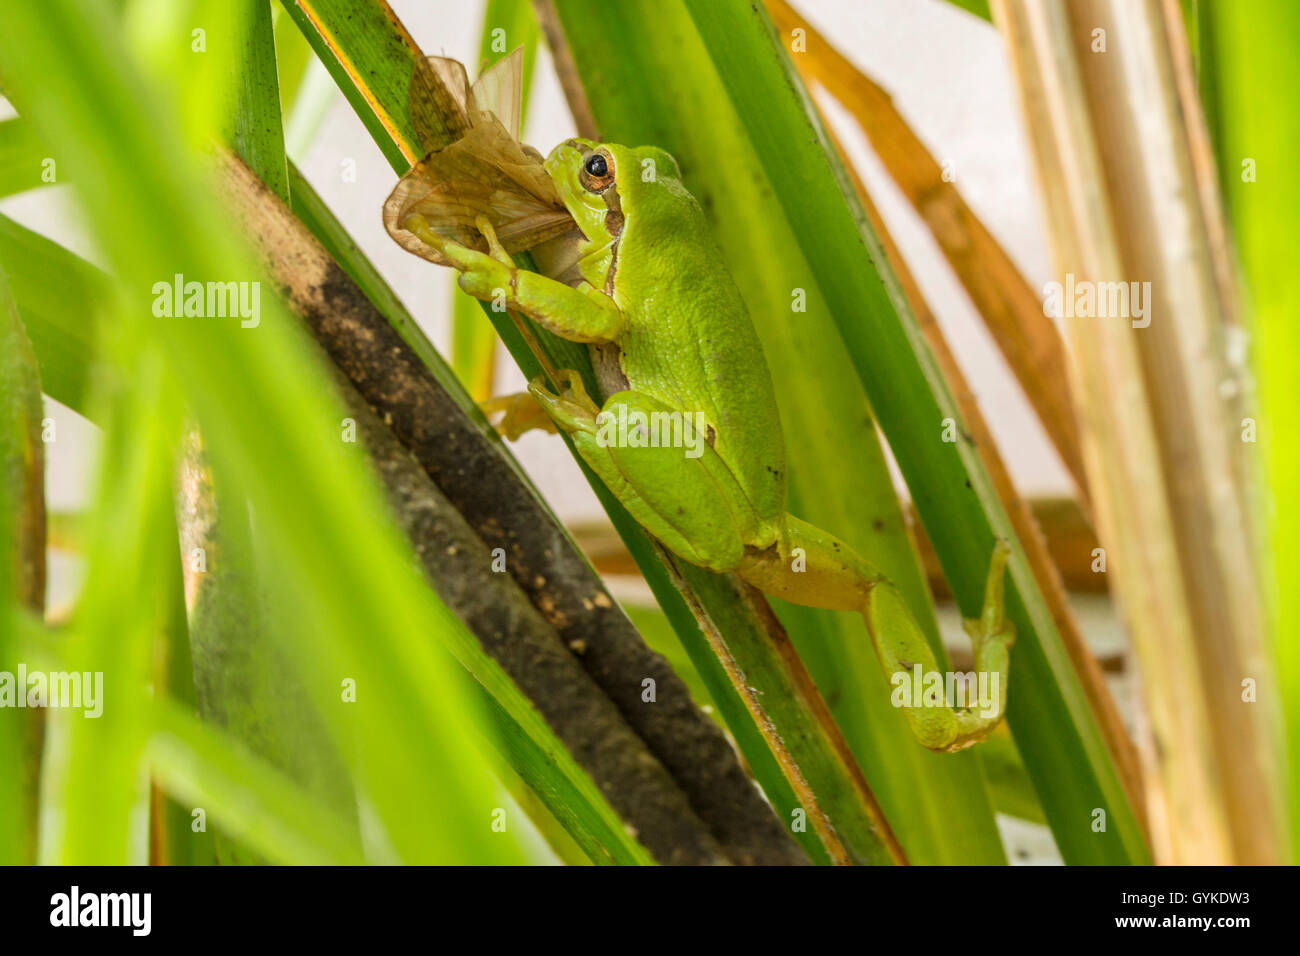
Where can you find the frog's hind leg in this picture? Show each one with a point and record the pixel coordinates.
(660, 468)
(815, 568)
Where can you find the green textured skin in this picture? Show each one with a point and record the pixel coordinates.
(686, 343)
(687, 340)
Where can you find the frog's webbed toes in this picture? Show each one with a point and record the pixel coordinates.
(574, 389)
(992, 624)
(573, 407)
(519, 413)
(460, 257)
(497, 251)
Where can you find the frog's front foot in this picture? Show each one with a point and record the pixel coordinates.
(484, 275)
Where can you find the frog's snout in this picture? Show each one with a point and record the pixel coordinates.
(567, 155)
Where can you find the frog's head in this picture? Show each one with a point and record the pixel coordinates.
(603, 185)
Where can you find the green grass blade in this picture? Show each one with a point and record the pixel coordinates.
(24, 164)
(831, 777)
(93, 802)
(245, 684)
(59, 296)
(564, 789)
(158, 219)
(1048, 712)
(348, 33)
(538, 756)
(978, 8)
(253, 124)
(937, 804)
(261, 807)
(172, 839)
(22, 572)
(1255, 44)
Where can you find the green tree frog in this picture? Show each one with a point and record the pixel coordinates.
(669, 334)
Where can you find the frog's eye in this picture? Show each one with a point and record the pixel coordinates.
(597, 173)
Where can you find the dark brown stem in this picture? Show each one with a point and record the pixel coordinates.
(513, 631)
(483, 485)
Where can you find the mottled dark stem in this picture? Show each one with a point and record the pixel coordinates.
(513, 631)
(481, 482)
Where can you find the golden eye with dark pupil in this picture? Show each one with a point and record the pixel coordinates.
(596, 174)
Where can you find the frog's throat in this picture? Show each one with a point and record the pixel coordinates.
(598, 264)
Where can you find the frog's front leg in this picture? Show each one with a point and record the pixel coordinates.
(584, 314)
(825, 572)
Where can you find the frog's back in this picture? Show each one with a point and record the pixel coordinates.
(690, 343)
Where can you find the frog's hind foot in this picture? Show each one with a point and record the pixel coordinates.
(519, 413)
(573, 408)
